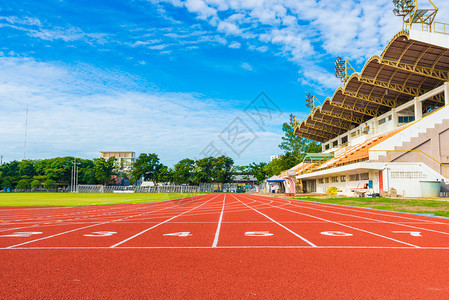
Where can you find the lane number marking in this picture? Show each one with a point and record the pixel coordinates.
(100, 233)
(336, 233)
(258, 233)
(20, 234)
(178, 234)
(412, 233)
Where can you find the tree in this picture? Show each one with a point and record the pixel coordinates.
(164, 174)
(10, 172)
(26, 168)
(87, 176)
(203, 170)
(222, 168)
(296, 145)
(35, 184)
(284, 162)
(258, 171)
(23, 184)
(103, 169)
(146, 166)
(49, 184)
(6, 184)
(184, 171)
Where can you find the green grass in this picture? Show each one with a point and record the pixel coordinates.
(72, 199)
(422, 206)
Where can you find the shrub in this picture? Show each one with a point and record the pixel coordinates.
(331, 190)
(50, 184)
(24, 184)
(35, 184)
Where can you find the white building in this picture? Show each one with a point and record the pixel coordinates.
(124, 160)
(386, 130)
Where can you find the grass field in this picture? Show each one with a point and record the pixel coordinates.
(422, 206)
(72, 199)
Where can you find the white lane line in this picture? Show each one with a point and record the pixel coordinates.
(168, 220)
(65, 232)
(217, 233)
(347, 226)
(230, 247)
(88, 211)
(373, 211)
(274, 221)
(376, 220)
(54, 235)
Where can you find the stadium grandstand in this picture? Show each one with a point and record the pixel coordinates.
(386, 129)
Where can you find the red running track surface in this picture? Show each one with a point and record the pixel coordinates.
(222, 245)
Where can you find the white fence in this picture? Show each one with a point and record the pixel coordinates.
(181, 189)
(139, 189)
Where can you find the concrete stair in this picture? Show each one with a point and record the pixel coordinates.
(423, 142)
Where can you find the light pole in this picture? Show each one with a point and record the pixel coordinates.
(74, 178)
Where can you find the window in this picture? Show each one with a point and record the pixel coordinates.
(334, 179)
(321, 180)
(327, 180)
(405, 119)
(327, 146)
(354, 177)
(342, 178)
(364, 176)
(382, 121)
(408, 175)
(357, 177)
(389, 118)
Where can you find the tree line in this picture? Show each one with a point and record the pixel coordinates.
(53, 172)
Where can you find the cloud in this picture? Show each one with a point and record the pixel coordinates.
(35, 28)
(235, 45)
(304, 31)
(247, 66)
(83, 110)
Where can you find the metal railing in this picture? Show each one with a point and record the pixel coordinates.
(439, 27)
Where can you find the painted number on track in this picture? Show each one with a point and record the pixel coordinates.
(336, 233)
(20, 234)
(258, 233)
(100, 233)
(412, 233)
(179, 234)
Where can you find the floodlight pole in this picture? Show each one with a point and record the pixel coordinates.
(74, 178)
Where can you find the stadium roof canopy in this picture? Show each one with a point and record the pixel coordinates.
(406, 69)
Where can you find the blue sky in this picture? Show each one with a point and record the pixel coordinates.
(170, 76)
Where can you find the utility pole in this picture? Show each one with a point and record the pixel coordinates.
(1, 160)
(26, 129)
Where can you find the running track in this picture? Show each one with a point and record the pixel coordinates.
(221, 245)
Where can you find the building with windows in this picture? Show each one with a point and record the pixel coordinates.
(386, 129)
(124, 160)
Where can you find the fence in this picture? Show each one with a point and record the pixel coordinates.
(143, 189)
(181, 189)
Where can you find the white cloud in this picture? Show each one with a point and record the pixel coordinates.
(235, 45)
(304, 30)
(35, 28)
(247, 66)
(73, 112)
